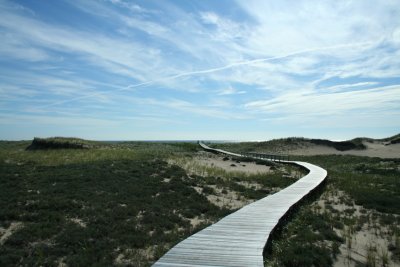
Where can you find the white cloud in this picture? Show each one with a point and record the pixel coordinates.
(230, 91)
(285, 26)
(133, 7)
(396, 35)
(209, 18)
(138, 61)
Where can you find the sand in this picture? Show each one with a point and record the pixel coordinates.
(6, 233)
(78, 221)
(205, 164)
(212, 160)
(372, 235)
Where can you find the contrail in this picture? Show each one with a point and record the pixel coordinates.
(99, 93)
(253, 61)
(206, 71)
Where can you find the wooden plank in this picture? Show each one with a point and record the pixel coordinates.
(239, 238)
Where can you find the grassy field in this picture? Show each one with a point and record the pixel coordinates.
(121, 204)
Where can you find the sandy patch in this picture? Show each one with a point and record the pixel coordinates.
(370, 240)
(251, 185)
(61, 262)
(135, 257)
(229, 200)
(196, 221)
(208, 164)
(225, 198)
(363, 244)
(6, 233)
(230, 165)
(78, 221)
(205, 164)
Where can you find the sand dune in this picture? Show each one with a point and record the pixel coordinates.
(374, 149)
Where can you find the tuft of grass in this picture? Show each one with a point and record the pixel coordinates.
(371, 256)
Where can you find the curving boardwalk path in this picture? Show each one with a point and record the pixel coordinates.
(239, 238)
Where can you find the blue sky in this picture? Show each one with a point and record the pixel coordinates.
(227, 70)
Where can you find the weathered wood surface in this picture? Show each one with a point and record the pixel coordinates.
(239, 238)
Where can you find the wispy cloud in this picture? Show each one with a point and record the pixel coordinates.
(251, 60)
(326, 104)
(183, 107)
(252, 79)
(230, 91)
(349, 87)
(114, 54)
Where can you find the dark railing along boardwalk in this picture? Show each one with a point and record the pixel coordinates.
(239, 238)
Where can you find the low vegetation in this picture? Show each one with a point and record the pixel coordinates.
(127, 203)
(115, 204)
(308, 240)
(361, 217)
(371, 182)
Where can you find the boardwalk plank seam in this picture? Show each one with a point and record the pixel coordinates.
(238, 240)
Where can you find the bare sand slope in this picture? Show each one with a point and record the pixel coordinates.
(374, 149)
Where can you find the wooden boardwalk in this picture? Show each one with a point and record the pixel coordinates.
(238, 240)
